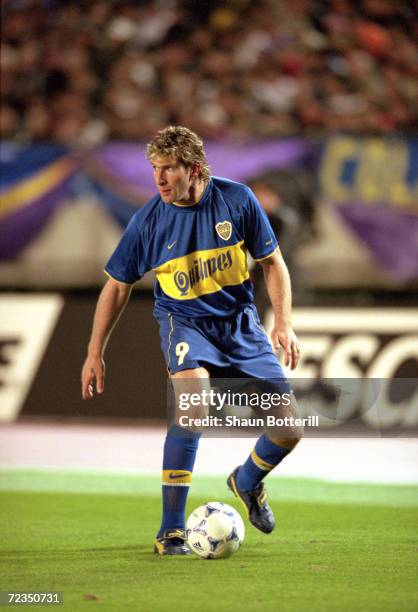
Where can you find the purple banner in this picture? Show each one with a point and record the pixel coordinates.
(236, 162)
(391, 236)
(121, 178)
(18, 229)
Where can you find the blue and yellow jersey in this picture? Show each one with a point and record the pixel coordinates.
(198, 252)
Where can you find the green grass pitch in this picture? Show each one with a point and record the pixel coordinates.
(336, 546)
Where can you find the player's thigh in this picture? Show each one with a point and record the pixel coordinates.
(249, 348)
(185, 347)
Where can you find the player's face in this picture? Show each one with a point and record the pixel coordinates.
(174, 181)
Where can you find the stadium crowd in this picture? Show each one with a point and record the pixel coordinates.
(81, 72)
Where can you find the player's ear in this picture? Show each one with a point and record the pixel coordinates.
(196, 169)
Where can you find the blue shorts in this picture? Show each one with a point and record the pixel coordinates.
(230, 347)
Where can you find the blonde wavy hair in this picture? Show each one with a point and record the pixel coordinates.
(182, 144)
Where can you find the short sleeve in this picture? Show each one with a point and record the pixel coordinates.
(128, 262)
(260, 239)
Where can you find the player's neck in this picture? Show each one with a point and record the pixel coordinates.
(196, 192)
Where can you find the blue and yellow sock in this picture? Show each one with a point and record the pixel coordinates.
(180, 450)
(265, 456)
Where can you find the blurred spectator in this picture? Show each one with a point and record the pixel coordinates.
(287, 225)
(285, 220)
(82, 72)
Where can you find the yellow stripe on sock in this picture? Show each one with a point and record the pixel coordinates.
(177, 478)
(260, 463)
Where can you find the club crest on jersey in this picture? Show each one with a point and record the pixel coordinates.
(224, 230)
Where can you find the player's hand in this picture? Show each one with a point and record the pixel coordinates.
(92, 377)
(285, 337)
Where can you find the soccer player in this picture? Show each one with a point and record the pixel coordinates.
(195, 234)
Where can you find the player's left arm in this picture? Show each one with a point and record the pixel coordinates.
(278, 285)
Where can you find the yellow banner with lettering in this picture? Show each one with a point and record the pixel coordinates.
(370, 171)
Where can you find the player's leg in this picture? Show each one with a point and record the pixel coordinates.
(185, 347)
(246, 481)
(179, 455)
(272, 447)
(269, 451)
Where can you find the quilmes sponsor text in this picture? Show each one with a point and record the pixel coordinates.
(200, 270)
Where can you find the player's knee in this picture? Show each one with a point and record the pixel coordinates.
(284, 440)
(289, 430)
(190, 389)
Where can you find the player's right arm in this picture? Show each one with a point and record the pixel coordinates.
(110, 305)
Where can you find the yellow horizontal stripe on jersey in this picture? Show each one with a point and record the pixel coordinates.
(203, 272)
(177, 477)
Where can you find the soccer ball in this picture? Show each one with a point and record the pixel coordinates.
(214, 531)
